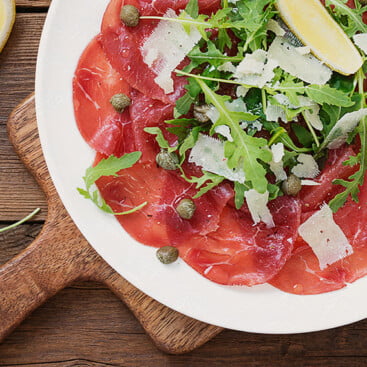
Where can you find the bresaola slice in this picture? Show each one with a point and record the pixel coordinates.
(158, 224)
(95, 82)
(241, 253)
(302, 274)
(123, 45)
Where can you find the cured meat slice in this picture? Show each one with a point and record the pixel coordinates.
(123, 45)
(147, 112)
(94, 83)
(239, 253)
(314, 196)
(302, 274)
(158, 224)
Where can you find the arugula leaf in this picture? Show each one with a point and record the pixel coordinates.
(255, 15)
(211, 179)
(349, 19)
(192, 8)
(108, 167)
(161, 140)
(239, 197)
(303, 135)
(189, 142)
(212, 55)
(357, 179)
(183, 105)
(245, 150)
(325, 94)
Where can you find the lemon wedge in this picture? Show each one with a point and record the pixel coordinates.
(7, 18)
(313, 25)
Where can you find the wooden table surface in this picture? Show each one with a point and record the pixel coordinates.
(86, 325)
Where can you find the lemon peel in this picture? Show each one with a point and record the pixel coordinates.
(313, 25)
(7, 19)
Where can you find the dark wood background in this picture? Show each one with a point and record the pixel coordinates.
(85, 324)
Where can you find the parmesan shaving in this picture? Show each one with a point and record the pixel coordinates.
(361, 41)
(339, 133)
(276, 165)
(325, 237)
(242, 91)
(208, 153)
(227, 67)
(304, 67)
(166, 47)
(256, 69)
(274, 113)
(257, 204)
(224, 131)
(303, 50)
(275, 27)
(307, 167)
(313, 117)
(310, 183)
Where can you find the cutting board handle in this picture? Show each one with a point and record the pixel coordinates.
(30, 279)
(61, 255)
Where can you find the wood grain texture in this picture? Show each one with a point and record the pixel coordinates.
(33, 3)
(60, 255)
(17, 67)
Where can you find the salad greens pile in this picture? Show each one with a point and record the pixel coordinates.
(241, 28)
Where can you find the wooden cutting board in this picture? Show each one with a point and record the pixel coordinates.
(60, 255)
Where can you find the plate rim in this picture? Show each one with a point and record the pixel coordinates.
(43, 96)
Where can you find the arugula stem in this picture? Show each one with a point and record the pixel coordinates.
(359, 176)
(29, 216)
(347, 10)
(263, 97)
(179, 20)
(312, 130)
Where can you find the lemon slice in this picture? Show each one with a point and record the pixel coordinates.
(7, 18)
(313, 25)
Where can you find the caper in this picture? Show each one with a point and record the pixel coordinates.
(120, 101)
(167, 254)
(200, 113)
(186, 208)
(130, 15)
(166, 160)
(292, 185)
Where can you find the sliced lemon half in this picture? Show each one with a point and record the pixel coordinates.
(313, 25)
(7, 18)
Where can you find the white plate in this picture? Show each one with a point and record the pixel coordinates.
(70, 25)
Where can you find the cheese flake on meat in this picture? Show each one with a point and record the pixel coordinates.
(305, 67)
(257, 204)
(208, 153)
(166, 47)
(325, 237)
(307, 167)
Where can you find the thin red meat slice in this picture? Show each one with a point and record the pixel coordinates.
(158, 224)
(302, 274)
(240, 253)
(94, 83)
(314, 196)
(122, 45)
(147, 112)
